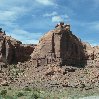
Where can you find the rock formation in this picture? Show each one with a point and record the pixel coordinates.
(59, 60)
(12, 50)
(59, 46)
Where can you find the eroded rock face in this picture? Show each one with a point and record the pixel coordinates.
(23, 52)
(59, 46)
(56, 59)
(91, 55)
(12, 50)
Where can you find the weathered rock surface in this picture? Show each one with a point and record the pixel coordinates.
(62, 60)
(12, 50)
(59, 60)
(59, 46)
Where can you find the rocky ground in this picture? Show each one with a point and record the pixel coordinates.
(49, 82)
(55, 77)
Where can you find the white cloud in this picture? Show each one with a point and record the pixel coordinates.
(65, 16)
(57, 19)
(10, 12)
(31, 41)
(54, 13)
(92, 25)
(10, 15)
(7, 15)
(25, 36)
(95, 26)
(46, 2)
(89, 26)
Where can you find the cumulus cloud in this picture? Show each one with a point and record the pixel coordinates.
(46, 2)
(50, 14)
(57, 19)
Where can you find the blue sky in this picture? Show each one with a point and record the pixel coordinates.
(28, 20)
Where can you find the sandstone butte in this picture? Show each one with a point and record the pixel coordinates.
(61, 47)
(60, 59)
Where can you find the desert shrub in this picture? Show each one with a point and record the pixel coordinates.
(3, 92)
(20, 94)
(27, 89)
(35, 96)
(9, 88)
